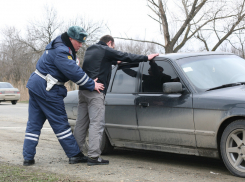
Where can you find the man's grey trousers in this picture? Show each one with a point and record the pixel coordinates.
(90, 115)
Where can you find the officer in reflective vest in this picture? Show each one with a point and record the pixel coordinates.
(46, 87)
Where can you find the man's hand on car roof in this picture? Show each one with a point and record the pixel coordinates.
(151, 56)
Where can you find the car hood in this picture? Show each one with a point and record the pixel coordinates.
(222, 99)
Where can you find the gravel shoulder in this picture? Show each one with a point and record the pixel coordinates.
(125, 165)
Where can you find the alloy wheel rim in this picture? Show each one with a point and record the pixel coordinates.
(235, 149)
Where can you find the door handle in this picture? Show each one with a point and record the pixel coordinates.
(144, 104)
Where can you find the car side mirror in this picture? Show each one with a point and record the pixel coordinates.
(172, 87)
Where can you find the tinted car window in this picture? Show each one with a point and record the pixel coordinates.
(6, 85)
(125, 79)
(155, 73)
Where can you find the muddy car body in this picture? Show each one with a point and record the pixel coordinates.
(195, 106)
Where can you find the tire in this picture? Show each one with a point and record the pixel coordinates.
(232, 148)
(105, 147)
(14, 102)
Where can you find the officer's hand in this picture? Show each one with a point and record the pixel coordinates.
(151, 56)
(98, 86)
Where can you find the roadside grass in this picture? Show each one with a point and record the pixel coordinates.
(10, 172)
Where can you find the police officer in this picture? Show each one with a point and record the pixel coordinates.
(47, 91)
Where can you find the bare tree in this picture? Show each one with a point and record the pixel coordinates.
(183, 20)
(40, 32)
(236, 45)
(133, 47)
(15, 57)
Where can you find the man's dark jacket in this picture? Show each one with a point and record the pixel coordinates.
(98, 61)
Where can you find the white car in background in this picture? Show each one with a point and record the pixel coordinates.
(9, 93)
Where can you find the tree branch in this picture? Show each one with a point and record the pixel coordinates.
(164, 23)
(229, 32)
(140, 41)
(204, 41)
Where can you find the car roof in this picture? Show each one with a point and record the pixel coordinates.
(176, 56)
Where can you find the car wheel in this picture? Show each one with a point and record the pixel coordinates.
(14, 102)
(105, 147)
(232, 147)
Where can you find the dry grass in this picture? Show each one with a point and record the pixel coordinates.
(9, 172)
(24, 95)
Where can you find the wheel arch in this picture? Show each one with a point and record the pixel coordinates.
(222, 127)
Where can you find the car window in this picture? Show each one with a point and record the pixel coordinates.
(6, 85)
(212, 71)
(155, 74)
(125, 78)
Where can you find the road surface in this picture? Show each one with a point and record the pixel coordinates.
(125, 165)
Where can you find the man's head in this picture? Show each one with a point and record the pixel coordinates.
(77, 36)
(108, 40)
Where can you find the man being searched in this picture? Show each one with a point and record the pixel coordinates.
(98, 61)
(47, 91)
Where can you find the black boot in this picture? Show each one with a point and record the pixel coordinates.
(28, 162)
(79, 158)
(97, 161)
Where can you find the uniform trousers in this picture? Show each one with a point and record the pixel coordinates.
(39, 111)
(90, 117)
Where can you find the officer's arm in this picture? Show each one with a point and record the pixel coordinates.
(68, 67)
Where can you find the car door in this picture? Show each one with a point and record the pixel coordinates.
(120, 114)
(164, 118)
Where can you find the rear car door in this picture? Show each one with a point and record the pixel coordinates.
(120, 114)
(164, 118)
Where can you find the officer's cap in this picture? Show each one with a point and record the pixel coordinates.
(77, 33)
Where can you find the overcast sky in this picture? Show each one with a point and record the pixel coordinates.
(122, 16)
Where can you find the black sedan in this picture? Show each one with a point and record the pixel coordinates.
(188, 103)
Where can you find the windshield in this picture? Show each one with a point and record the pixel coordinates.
(211, 71)
(5, 85)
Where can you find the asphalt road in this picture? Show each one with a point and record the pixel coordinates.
(125, 165)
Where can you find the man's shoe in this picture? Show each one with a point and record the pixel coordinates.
(78, 159)
(97, 161)
(28, 162)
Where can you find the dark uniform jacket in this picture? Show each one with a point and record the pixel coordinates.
(98, 61)
(58, 61)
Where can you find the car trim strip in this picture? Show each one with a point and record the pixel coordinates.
(65, 136)
(121, 126)
(63, 132)
(30, 138)
(170, 130)
(201, 132)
